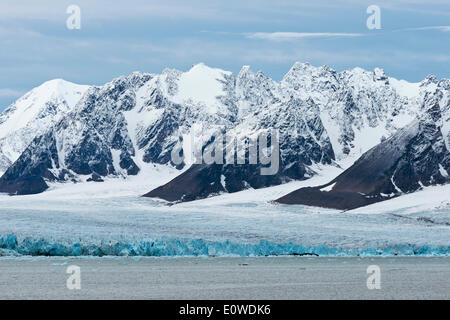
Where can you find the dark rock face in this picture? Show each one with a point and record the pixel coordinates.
(202, 181)
(95, 178)
(414, 157)
(23, 186)
(198, 181)
(21, 179)
(312, 196)
(302, 141)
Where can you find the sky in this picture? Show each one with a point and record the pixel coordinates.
(118, 37)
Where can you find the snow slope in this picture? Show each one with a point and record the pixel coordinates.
(422, 202)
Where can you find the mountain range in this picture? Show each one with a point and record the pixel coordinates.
(391, 136)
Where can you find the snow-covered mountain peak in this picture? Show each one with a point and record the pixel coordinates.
(202, 85)
(359, 77)
(301, 72)
(430, 79)
(33, 114)
(304, 80)
(380, 75)
(134, 79)
(253, 90)
(300, 66)
(56, 86)
(444, 83)
(51, 97)
(244, 70)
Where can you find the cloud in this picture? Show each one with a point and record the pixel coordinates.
(6, 92)
(199, 10)
(287, 36)
(438, 28)
(18, 32)
(423, 7)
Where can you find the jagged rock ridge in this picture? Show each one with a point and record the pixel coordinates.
(323, 116)
(415, 157)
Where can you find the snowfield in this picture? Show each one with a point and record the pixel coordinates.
(112, 219)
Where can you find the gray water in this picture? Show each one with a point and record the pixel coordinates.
(225, 278)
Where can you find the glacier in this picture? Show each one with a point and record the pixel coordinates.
(11, 246)
(109, 219)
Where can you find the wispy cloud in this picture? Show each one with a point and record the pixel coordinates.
(18, 32)
(287, 36)
(438, 28)
(6, 92)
